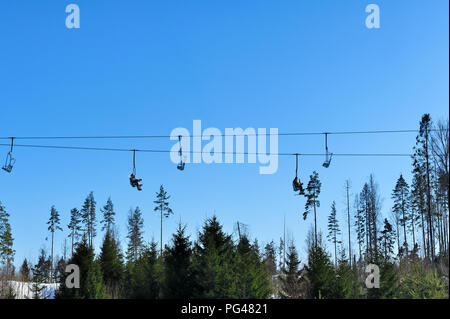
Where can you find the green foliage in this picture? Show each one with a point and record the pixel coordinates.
(389, 281)
(88, 217)
(320, 273)
(253, 280)
(94, 287)
(108, 215)
(179, 276)
(290, 277)
(135, 231)
(111, 265)
(212, 261)
(347, 283)
(145, 275)
(6, 239)
(91, 281)
(420, 283)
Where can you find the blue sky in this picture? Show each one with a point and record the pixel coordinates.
(147, 67)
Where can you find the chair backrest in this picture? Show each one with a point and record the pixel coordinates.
(9, 163)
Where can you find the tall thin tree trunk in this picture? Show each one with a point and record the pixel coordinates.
(430, 217)
(348, 220)
(51, 264)
(315, 220)
(73, 234)
(404, 227)
(425, 248)
(412, 226)
(161, 230)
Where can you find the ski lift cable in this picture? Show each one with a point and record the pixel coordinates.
(200, 152)
(219, 135)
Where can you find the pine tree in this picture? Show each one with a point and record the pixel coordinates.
(108, 216)
(422, 166)
(89, 218)
(333, 230)
(401, 207)
(162, 205)
(6, 241)
(290, 278)
(347, 189)
(312, 195)
(135, 232)
(53, 225)
(74, 227)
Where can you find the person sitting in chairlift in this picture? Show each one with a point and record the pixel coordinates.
(135, 182)
(298, 186)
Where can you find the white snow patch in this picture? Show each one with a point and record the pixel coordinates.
(24, 290)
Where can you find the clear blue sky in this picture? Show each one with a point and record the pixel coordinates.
(146, 67)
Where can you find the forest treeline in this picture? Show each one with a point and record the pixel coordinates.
(410, 245)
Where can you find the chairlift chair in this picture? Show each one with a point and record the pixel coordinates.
(328, 155)
(135, 182)
(296, 184)
(180, 165)
(10, 161)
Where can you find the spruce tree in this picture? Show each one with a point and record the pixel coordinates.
(84, 259)
(213, 258)
(320, 272)
(251, 277)
(43, 266)
(270, 258)
(94, 287)
(38, 279)
(25, 271)
(111, 265)
(60, 269)
(179, 276)
(387, 239)
(144, 276)
(290, 278)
